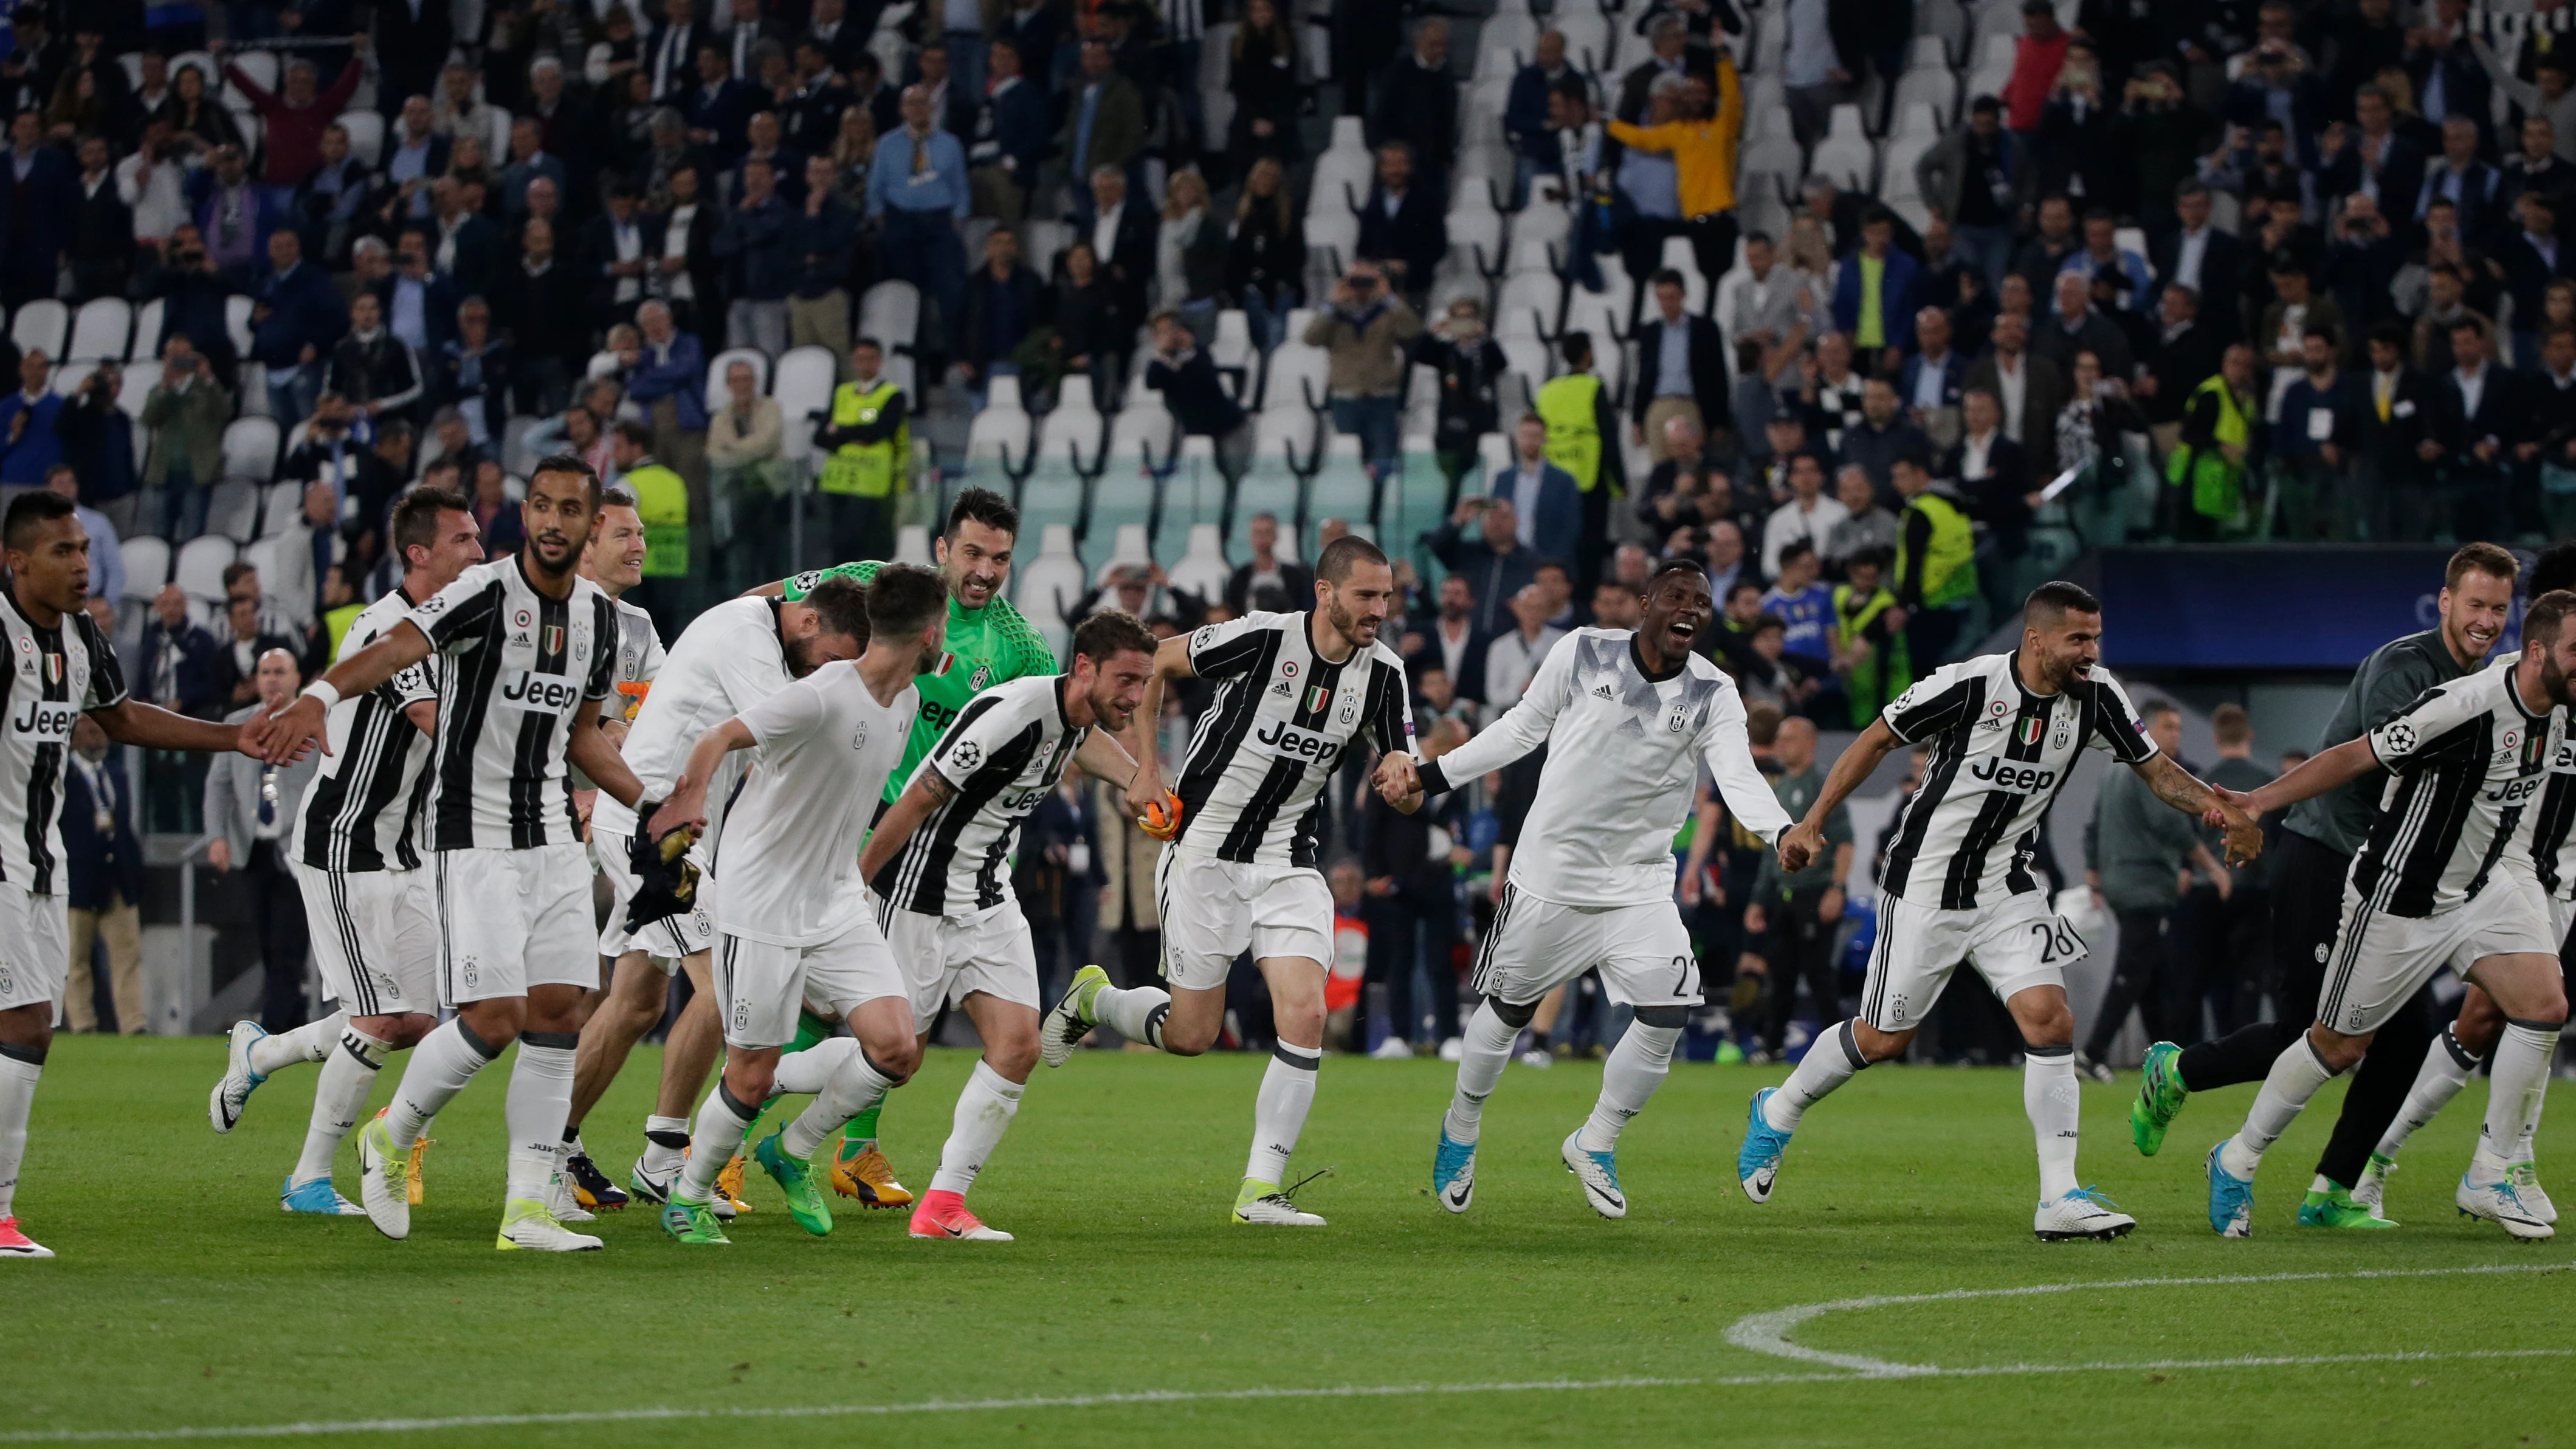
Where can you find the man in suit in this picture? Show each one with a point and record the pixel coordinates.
(2185, 351)
(42, 191)
(1404, 224)
(717, 109)
(1267, 569)
(2535, 254)
(250, 810)
(104, 861)
(2478, 417)
(2009, 372)
(2393, 403)
(1008, 137)
(2449, 81)
(1991, 471)
(465, 245)
(1104, 121)
(1935, 374)
(617, 250)
(411, 42)
(1417, 103)
(1121, 232)
(2073, 324)
(2461, 177)
(1547, 504)
(2201, 256)
(1681, 359)
(1452, 643)
(671, 50)
(2378, 162)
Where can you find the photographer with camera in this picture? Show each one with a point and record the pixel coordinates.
(1364, 328)
(184, 419)
(98, 446)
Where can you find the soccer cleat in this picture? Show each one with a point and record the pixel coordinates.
(862, 1172)
(693, 1223)
(14, 1243)
(649, 1189)
(590, 1186)
(2083, 1213)
(2095, 1071)
(1757, 1162)
(2160, 1096)
(317, 1196)
(730, 1203)
(2372, 1191)
(1070, 1020)
(1599, 1174)
(1393, 1049)
(526, 1225)
(2231, 1198)
(805, 1201)
(224, 1103)
(385, 1178)
(944, 1215)
(419, 1150)
(2500, 1202)
(2525, 1177)
(559, 1201)
(1262, 1204)
(2338, 1209)
(1453, 1173)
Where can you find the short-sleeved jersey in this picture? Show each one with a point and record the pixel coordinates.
(1999, 756)
(2466, 760)
(784, 871)
(1279, 721)
(519, 666)
(2547, 838)
(639, 660)
(362, 810)
(53, 676)
(1003, 755)
(985, 647)
(728, 659)
(1624, 753)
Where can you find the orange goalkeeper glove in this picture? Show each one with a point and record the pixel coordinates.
(1161, 818)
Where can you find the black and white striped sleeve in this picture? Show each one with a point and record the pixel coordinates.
(981, 733)
(2117, 730)
(603, 654)
(1221, 651)
(106, 676)
(1936, 702)
(1390, 706)
(458, 617)
(2433, 727)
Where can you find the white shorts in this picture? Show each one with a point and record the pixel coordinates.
(2380, 960)
(2016, 943)
(1215, 910)
(944, 958)
(1535, 946)
(509, 920)
(2562, 918)
(664, 941)
(35, 947)
(760, 985)
(375, 938)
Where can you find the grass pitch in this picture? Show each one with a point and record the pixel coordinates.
(1130, 1312)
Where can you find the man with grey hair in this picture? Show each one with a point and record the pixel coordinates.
(250, 810)
(917, 189)
(1511, 659)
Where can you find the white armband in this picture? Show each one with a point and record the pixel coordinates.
(321, 689)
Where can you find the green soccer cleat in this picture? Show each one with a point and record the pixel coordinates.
(805, 1201)
(2160, 1096)
(2336, 1209)
(1070, 1020)
(693, 1222)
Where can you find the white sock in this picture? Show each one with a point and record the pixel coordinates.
(1635, 1069)
(1484, 1052)
(2445, 1071)
(1279, 1109)
(2522, 1151)
(984, 1113)
(314, 1041)
(2517, 1077)
(803, 1074)
(1134, 1012)
(348, 1075)
(439, 1068)
(1828, 1064)
(854, 1086)
(17, 1096)
(2296, 1075)
(721, 1123)
(540, 1100)
(666, 1141)
(2054, 1103)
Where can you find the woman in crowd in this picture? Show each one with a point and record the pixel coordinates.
(1190, 254)
(1267, 255)
(198, 123)
(1262, 76)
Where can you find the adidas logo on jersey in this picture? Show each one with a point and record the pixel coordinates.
(1602, 691)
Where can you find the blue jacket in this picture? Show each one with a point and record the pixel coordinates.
(1017, 118)
(820, 247)
(37, 448)
(1525, 118)
(100, 862)
(681, 377)
(304, 310)
(1558, 508)
(1954, 376)
(1893, 290)
(760, 242)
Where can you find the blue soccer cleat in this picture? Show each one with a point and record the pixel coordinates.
(317, 1196)
(2231, 1198)
(1757, 1162)
(233, 1088)
(1453, 1173)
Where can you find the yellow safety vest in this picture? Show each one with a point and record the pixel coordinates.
(1889, 669)
(1565, 404)
(2217, 484)
(867, 470)
(662, 502)
(1950, 559)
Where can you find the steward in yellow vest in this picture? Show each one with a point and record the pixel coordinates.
(1583, 439)
(2217, 429)
(1936, 547)
(661, 505)
(868, 437)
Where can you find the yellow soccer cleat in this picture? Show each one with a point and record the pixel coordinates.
(729, 1188)
(868, 1177)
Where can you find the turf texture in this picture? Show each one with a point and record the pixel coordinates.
(1131, 1312)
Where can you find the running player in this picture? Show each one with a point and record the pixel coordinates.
(61, 667)
(1294, 694)
(357, 855)
(2004, 730)
(529, 648)
(792, 921)
(2443, 878)
(2318, 840)
(1632, 714)
(939, 863)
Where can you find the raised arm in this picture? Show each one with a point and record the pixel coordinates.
(1802, 842)
(2185, 792)
(1171, 661)
(284, 736)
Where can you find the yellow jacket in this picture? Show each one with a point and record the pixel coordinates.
(1703, 151)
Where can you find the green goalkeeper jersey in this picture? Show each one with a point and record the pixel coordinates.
(985, 647)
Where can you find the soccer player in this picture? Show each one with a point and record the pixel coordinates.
(2004, 731)
(1632, 714)
(61, 666)
(939, 863)
(730, 658)
(2443, 878)
(1293, 694)
(2319, 838)
(357, 854)
(529, 650)
(793, 924)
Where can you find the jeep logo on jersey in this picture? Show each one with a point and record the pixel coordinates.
(46, 721)
(2514, 792)
(543, 693)
(2005, 775)
(1298, 744)
(1020, 801)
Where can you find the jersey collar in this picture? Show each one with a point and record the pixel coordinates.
(1637, 657)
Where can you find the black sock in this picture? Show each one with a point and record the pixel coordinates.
(2243, 1055)
(2379, 1088)
(1538, 1040)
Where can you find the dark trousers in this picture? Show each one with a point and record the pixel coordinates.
(1802, 949)
(1137, 956)
(2229, 941)
(857, 527)
(1416, 925)
(921, 247)
(2142, 976)
(1712, 239)
(1930, 633)
(277, 918)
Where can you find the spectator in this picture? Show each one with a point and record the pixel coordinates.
(2534, 255)
(418, 305)
(293, 118)
(538, 306)
(232, 670)
(1191, 388)
(917, 189)
(1452, 644)
(29, 446)
(375, 370)
(1267, 571)
(1402, 225)
(43, 198)
(1760, 298)
(529, 163)
(1936, 567)
(2197, 254)
(1871, 661)
(1417, 105)
(234, 216)
(1865, 525)
(103, 862)
(1104, 123)
(2102, 254)
(758, 238)
(1809, 517)
(1649, 181)
(1471, 367)
(1546, 500)
(1703, 142)
(716, 109)
(1978, 179)
(250, 810)
(1004, 303)
(101, 245)
(2038, 56)
(198, 124)
(1189, 254)
(868, 447)
(1685, 362)
(2478, 418)
(1091, 328)
(496, 514)
(1525, 114)
(952, 102)
(2209, 465)
(667, 377)
(2461, 178)
(685, 271)
(1495, 565)
(1009, 139)
(1804, 605)
(474, 375)
(98, 446)
(296, 320)
(2293, 311)
(745, 447)
(1266, 260)
(461, 243)
(1582, 438)
(2073, 325)
(1516, 654)
(1364, 330)
(2029, 390)
(2310, 437)
(1871, 287)
(2392, 410)
(151, 184)
(308, 550)
(1882, 432)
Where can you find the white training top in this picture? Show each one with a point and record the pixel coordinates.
(825, 747)
(728, 659)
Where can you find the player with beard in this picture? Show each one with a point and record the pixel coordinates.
(1633, 714)
(2004, 731)
(529, 652)
(2443, 878)
(1294, 693)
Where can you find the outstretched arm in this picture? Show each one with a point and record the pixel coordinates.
(1805, 840)
(920, 800)
(2323, 771)
(132, 722)
(283, 736)
(2185, 792)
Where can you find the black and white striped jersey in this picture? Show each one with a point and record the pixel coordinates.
(2547, 839)
(54, 675)
(362, 808)
(1999, 755)
(519, 667)
(2465, 761)
(1279, 722)
(1004, 753)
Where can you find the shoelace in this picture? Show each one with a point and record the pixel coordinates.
(2092, 1193)
(1287, 1196)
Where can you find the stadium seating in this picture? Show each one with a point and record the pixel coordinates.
(199, 568)
(803, 387)
(1201, 569)
(101, 330)
(147, 565)
(41, 324)
(890, 312)
(1051, 583)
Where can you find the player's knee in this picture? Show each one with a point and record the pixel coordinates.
(752, 1078)
(1012, 1053)
(2339, 1053)
(896, 1059)
(1671, 1018)
(1510, 1015)
(2048, 1026)
(497, 1022)
(1188, 1041)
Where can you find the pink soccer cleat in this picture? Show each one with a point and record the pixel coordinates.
(16, 1244)
(944, 1215)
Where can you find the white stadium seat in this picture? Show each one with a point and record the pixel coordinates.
(201, 564)
(891, 313)
(803, 387)
(147, 565)
(250, 449)
(41, 324)
(101, 330)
